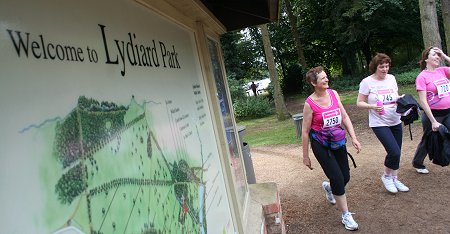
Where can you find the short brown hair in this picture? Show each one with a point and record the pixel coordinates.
(378, 59)
(425, 53)
(311, 75)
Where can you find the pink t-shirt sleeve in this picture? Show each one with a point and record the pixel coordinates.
(420, 83)
(447, 71)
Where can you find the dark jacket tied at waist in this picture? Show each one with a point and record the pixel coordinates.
(438, 144)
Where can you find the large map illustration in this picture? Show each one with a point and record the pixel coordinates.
(114, 176)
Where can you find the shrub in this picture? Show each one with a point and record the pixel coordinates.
(349, 83)
(345, 83)
(237, 90)
(252, 107)
(408, 77)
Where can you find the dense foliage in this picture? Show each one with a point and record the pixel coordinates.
(340, 35)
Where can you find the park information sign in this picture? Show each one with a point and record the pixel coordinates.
(105, 124)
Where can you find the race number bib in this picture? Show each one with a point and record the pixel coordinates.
(331, 118)
(387, 96)
(443, 87)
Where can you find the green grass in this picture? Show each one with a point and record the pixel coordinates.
(270, 131)
(348, 97)
(409, 89)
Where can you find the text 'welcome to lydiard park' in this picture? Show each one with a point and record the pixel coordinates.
(116, 52)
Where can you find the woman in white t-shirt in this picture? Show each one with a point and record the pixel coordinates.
(378, 93)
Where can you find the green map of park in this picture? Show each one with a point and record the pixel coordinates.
(111, 175)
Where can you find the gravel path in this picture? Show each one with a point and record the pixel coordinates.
(425, 209)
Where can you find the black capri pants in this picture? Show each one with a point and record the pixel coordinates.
(391, 139)
(334, 164)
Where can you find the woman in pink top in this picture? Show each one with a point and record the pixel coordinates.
(433, 87)
(323, 114)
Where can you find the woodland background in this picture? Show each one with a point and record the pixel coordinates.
(340, 35)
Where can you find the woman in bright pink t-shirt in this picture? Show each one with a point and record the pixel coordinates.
(433, 86)
(323, 114)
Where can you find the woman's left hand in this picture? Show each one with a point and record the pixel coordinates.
(357, 145)
(307, 162)
(435, 126)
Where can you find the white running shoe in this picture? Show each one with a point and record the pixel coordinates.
(388, 183)
(329, 195)
(399, 185)
(422, 170)
(349, 222)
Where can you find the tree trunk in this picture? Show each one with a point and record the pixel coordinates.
(280, 106)
(446, 19)
(429, 21)
(367, 53)
(295, 34)
(349, 62)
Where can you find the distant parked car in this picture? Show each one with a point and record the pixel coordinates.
(261, 87)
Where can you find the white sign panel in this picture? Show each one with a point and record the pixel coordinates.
(105, 123)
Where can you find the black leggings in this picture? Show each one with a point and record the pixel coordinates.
(335, 165)
(391, 139)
